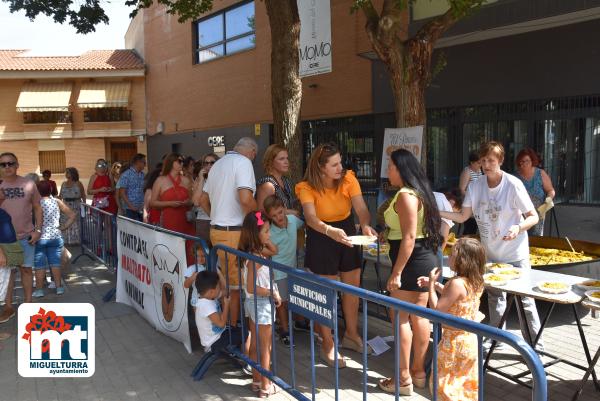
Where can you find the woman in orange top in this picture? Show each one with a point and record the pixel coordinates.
(328, 194)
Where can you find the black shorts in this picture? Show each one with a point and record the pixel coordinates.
(421, 262)
(328, 257)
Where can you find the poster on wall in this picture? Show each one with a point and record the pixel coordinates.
(410, 138)
(315, 37)
(150, 278)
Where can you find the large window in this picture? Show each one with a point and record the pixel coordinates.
(227, 32)
(107, 114)
(46, 117)
(53, 160)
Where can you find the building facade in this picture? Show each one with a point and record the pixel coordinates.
(519, 71)
(58, 112)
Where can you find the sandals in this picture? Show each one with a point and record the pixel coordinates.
(353, 345)
(331, 362)
(271, 390)
(418, 382)
(255, 387)
(389, 386)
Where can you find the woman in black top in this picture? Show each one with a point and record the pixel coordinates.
(276, 165)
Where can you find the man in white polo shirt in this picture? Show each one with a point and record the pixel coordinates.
(229, 195)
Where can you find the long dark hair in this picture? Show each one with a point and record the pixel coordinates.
(151, 178)
(249, 239)
(413, 176)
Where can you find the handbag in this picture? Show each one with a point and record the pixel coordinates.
(100, 203)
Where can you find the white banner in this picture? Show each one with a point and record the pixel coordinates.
(150, 278)
(401, 138)
(315, 37)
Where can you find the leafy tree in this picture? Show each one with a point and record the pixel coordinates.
(408, 59)
(286, 87)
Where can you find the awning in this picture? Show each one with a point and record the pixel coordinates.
(103, 94)
(44, 97)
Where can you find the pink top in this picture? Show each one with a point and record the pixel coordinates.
(20, 196)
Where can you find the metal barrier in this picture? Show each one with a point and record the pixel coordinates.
(98, 236)
(539, 387)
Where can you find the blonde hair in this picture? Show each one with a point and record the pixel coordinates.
(470, 262)
(270, 155)
(494, 148)
(318, 159)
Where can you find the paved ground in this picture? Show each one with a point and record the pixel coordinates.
(135, 362)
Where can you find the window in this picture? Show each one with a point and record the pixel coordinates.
(53, 160)
(106, 114)
(227, 32)
(46, 117)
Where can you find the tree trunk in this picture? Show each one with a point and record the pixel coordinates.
(286, 86)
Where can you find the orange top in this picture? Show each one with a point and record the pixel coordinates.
(331, 205)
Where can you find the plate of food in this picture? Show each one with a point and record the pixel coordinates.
(553, 287)
(494, 267)
(511, 273)
(593, 295)
(589, 285)
(362, 239)
(494, 279)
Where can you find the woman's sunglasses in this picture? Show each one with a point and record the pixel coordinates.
(8, 164)
(210, 163)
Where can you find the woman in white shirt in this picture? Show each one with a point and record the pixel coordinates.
(498, 203)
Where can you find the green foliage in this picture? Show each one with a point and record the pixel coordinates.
(85, 15)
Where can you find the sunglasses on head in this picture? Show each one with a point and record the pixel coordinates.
(209, 162)
(8, 164)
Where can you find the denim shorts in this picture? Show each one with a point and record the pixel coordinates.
(263, 310)
(28, 252)
(48, 252)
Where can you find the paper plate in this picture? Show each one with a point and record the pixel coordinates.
(593, 295)
(494, 279)
(511, 273)
(589, 285)
(362, 239)
(553, 287)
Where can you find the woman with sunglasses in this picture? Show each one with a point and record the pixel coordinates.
(201, 172)
(171, 194)
(101, 188)
(328, 194)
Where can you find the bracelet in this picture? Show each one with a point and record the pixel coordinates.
(327, 227)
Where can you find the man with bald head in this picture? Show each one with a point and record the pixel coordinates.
(229, 195)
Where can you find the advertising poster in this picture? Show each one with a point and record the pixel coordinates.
(410, 138)
(150, 278)
(315, 37)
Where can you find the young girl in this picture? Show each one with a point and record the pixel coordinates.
(457, 353)
(255, 240)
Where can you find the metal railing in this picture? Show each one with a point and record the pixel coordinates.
(98, 236)
(395, 306)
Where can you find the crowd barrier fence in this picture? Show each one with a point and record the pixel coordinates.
(316, 298)
(322, 297)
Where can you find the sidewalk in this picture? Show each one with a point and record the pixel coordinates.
(135, 362)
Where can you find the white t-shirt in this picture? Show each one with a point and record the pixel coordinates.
(229, 174)
(191, 269)
(495, 211)
(263, 278)
(443, 206)
(208, 332)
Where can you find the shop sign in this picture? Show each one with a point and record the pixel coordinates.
(410, 138)
(216, 141)
(315, 37)
(311, 300)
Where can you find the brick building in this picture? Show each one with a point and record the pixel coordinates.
(58, 112)
(522, 72)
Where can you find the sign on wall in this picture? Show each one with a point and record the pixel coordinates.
(150, 278)
(311, 300)
(315, 37)
(410, 138)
